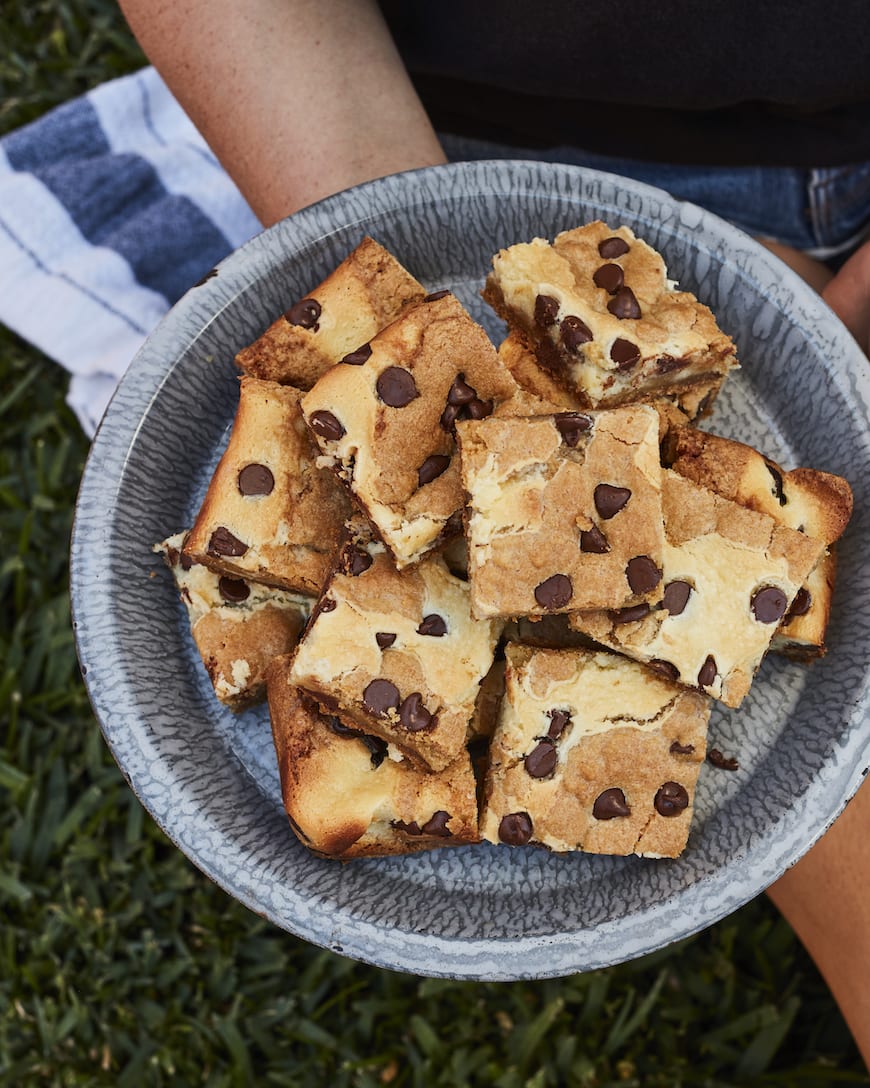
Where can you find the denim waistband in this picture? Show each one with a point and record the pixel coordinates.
(823, 212)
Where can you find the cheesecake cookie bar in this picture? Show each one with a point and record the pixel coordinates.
(593, 752)
(563, 511)
(346, 797)
(367, 291)
(730, 575)
(270, 514)
(387, 421)
(603, 318)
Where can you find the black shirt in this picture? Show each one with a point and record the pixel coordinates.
(685, 81)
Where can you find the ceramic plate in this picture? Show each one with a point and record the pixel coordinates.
(210, 779)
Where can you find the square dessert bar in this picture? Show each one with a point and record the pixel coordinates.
(346, 797)
(367, 291)
(730, 575)
(603, 318)
(814, 502)
(387, 420)
(397, 653)
(237, 626)
(270, 514)
(593, 752)
(563, 511)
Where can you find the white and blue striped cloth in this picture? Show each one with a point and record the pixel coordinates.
(111, 207)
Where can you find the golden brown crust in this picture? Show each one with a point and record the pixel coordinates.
(367, 291)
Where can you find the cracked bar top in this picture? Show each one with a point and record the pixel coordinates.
(270, 514)
(730, 575)
(344, 794)
(593, 752)
(563, 511)
(604, 319)
(386, 420)
(397, 653)
(237, 626)
(367, 291)
(814, 502)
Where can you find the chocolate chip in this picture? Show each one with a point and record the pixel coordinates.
(769, 604)
(724, 763)
(380, 696)
(433, 625)
(677, 749)
(610, 804)
(609, 500)
(642, 574)
(610, 277)
(671, 799)
(594, 541)
(515, 829)
(305, 313)
(356, 561)
(255, 480)
(222, 542)
(326, 605)
(376, 746)
(667, 669)
(412, 828)
(326, 425)
(777, 482)
(449, 417)
(631, 614)
(396, 387)
(479, 409)
(546, 311)
(613, 247)
(338, 727)
(185, 561)
(233, 590)
(624, 305)
(542, 759)
(413, 714)
(667, 363)
(435, 295)
(574, 332)
(554, 592)
(624, 353)
(385, 639)
(707, 672)
(571, 425)
(801, 604)
(676, 596)
(559, 721)
(432, 468)
(460, 391)
(437, 825)
(358, 357)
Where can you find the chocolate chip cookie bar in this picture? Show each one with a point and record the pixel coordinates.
(270, 514)
(346, 797)
(397, 653)
(563, 511)
(387, 420)
(603, 318)
(367, 291)
(730, 575)
(593, 752)
(817, 503)
(237, 626)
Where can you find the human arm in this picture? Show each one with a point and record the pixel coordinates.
(297, 99)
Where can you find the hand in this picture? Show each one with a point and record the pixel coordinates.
(848, 295)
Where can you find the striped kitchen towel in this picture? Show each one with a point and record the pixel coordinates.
(111, 207)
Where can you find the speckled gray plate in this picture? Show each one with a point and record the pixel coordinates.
(210, 780)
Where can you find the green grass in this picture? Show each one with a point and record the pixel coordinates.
(121, 965)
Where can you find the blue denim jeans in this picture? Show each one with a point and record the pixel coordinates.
(825, 212)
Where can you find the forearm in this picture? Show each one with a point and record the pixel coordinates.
(297, 99)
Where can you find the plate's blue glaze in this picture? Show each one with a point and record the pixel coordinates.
(210, 779)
